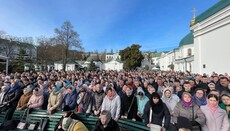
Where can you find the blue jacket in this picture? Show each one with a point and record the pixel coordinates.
(70, 100)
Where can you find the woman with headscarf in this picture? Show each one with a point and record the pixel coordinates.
(27, 93)
(168, 100)
(70, 98)
(112, 103)
(3, 93)
(55, 99)
(154, 113)
(199, 97)
(216, 118)
(106, 123)
(69, 124)
(84, 101)
(98, 99)
(225, 98)
(36, 100)
(12, 97)
(129, 105)
(141, 101)
(186, 108)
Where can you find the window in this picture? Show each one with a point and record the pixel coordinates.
(189, 52)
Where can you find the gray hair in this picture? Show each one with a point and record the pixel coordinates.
(107, 114)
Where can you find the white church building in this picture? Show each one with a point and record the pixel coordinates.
(205, 49)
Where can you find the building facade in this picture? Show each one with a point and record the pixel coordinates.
(205, 48)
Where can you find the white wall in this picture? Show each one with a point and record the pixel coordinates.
(69, 67)
(165, 60)
(113, 66)
(212, 43)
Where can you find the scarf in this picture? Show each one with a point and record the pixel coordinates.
(186, 104)
(156, 107)
(213, 108)
(200, 102)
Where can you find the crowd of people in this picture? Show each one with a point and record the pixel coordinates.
(162, 100)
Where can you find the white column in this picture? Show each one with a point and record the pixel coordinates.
(7, 64)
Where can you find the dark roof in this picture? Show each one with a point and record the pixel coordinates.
(212, 10)
(110, 53)
(188, 39)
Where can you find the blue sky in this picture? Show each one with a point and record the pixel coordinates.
(105, 24)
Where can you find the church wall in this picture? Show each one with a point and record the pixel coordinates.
(212, 43)
(214, 51)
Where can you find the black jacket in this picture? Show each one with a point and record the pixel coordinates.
(125, 105)
(112, 126)
(157, 118)
(13, 97)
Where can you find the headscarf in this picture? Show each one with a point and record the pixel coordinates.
(158, 107)
(108, 116)
(28, 89)
(66, 122)
(16, 86)
(67, 83)
(213, 108)
(164, 97)
(58, 86)
(201, 101)
(2, 94)
(186, 104)
(141, 90)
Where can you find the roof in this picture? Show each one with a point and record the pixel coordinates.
(187, 40)
(212, 10)
(110, 53)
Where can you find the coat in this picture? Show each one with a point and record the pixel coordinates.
(141, 103)
(215, 122)
(36, 102)
(112, 126)
(13, 96)
(70, 100)
(84, 103)
(157, 118)
(55, 100)
(24, 100)
(126, 104)
(187, 112)
(114, 106)
(77, 126)
(97, 100)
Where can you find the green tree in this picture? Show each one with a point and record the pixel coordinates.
(68, 38)
(92, 66)
(132, 56)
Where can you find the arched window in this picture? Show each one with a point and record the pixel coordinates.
(189, 52)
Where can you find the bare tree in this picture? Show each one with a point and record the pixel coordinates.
(8, 45)
(68, 38)
(44, 49)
